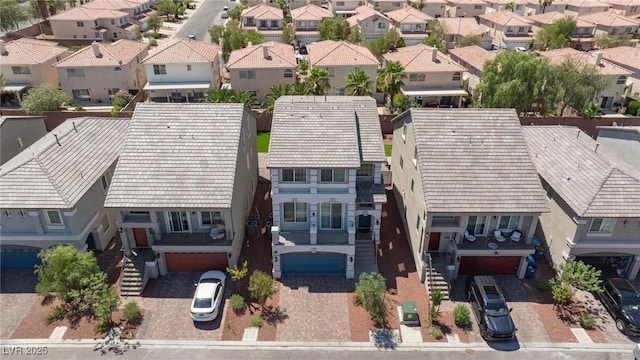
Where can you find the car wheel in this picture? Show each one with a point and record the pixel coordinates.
(620, 325)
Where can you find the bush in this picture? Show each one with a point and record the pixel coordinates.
(153, 42)
(562, 293)
(132, 311)
(256, 321)
(357, 299)
(434, 314)
(461, 316)
(634, 108)
(587, 321)
(103, 327)
(237, 302)
(156, 35)
(437, 333)
(80, 108)
(58, 313)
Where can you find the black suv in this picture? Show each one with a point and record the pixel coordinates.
(622, 301)
(490, 309)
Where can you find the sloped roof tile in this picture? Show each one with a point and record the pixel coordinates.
(182, 51)
(121, 52)
(310, 12)
(280, 56)
(419, 58)
(340, 53)
(27, 51)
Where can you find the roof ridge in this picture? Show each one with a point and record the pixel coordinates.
(28, 53)
(51, 180)
(601, 185)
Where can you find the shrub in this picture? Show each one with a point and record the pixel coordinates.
(103, 327)
(461, 316)
(58, 313)
(256, 321)
(80, 108)
(237, 302)
(156, 35)
(132, 311)
(562, 293)
(437, 333)
(357, 299)
(153, 42)
(634, 108)
(587, 321)
(434, 314)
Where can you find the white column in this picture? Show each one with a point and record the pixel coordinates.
(522, 268)
(313, 181)
(377, 173)
(275, 177)
(275, 229)
(123, 234)
(352, 181)
(155, 225)
(351, 273)
(532, 230)
(351, 226)
(313, 228)
(35, 216)
(377, 214)
(633, 270)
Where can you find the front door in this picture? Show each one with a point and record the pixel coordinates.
(434, 241)
(364, 223)
(140, 235)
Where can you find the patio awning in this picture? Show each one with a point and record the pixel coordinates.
(450, 92)
(177, 86)
(15, 87)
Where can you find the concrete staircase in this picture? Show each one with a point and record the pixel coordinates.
(438, 277)
(365, 257)
(133, 272)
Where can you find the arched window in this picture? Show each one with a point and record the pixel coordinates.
(288, 73)
(621, 80)
(456, 76)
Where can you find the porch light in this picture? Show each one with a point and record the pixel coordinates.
(120, 230)
(275, 259)
(229, 255)
(496, 253)
(351, 259)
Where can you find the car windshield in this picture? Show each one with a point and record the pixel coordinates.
(496, 309)
(631, 304)
(205, 293)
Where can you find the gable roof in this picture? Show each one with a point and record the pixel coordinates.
(81, 13)
(263, 11)
(474, 55)
(280, 56)
(178, 155)
(365, 12)
(337, 53)
(558, 56)
(27, 51)
(590, 179)
(626, 56)
(300, 122)
(609, 19)
(475, 161)
(461, 2)
(419, 58)
(310, 12)
(409, 15)
(506, 18)
(585, 3)
(121, 52)
(464, 26)
(114, 4)
(553, 16)
(179, 51)
(51, 176)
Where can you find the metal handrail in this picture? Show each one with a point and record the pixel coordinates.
(429, 270)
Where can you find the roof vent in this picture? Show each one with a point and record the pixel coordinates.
(57, 141)
(3, 47)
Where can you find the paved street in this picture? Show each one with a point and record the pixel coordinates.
(207, 14)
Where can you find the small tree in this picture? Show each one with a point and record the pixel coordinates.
(592, 111)
(11, 15)
(371, 289)
(318, 81)
(303, 67)
(461, 316)
(235, 12)
(166, 8)
(574, 274)
(261, 287)
(436, 301)
(358, 83)
(334, 29)
(155, 22)
(288, 34)
(238, 273)
(45, 97)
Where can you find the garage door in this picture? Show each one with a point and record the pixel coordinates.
(195, 262)
(19, 258)
(313, 264)
(496, 265)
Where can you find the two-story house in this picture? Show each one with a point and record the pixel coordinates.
(433, 79)
(97, 72)
(259, 67)
(473, 59)
(18, 133)
(595, 200)
(265, 19)
(327, 193)
(623, 141)
(341, 58)
(182, 70)
(614, 94)
(467, 189)
(508, 29)
(386, 5)
(27, 62)
(293, 4)
(576, 8)
(139, 10)
(53, 192)
(434, 8)
(97, 24)
(411, 24)
(185, 192)
(456, 30)
(345, 8)
(582, 37)
(534, 7)
(628, 58)
(306, 20)
(630, 8)
(372, 23)
(519, 6)
(465, 8)
(608, 22)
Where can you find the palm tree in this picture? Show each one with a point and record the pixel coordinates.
(232, 96)
(276, 92)
(509, 6)
(301, 88)
(592, 111)
(318, 81)
(358, 83)
(544, 4)
(245, 97)
(390, 78)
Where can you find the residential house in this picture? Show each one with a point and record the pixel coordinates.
(509, 30)
(465, 8)
(372, 23)
(386, 5)
(97, 72)
(629, 58)
(266, 20)
(182, 70)
(327, 192)
(473, 59)
(18, 133)
(257, 68)
(341, 58)
(609, 22)
(467, 187)
(433, 79)
(306, 20)
(411, 24)
(27, 62)
(595, 200)
(582, 38)
(519, 6)
(457, 30)
(576, 8)
(293, 4)
(434, 8)
(613, 95)
(53, 192)
(93, 24)
(345, 8)
(533, 7)
(623, 141)
(630, 8)
(139, 10)
(186, 192)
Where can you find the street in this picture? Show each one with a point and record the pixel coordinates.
(207, 14)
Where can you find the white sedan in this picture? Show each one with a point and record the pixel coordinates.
(208, 297)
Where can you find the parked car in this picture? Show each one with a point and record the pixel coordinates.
(208, 297)
(490, 309)
(302, 49)
(224, 14)
(622, 301)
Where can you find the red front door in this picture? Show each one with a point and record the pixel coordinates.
(434, 241)
(140, 234)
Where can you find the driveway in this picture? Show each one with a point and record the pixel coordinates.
(317, 308)
(166, 304)
(603, 319)
(17, 296)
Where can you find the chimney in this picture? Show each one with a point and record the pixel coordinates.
(67, 6)
(434, 54)
(265, 51)
(96, 49)
(249, 44)
(598, 57)
(3, 48)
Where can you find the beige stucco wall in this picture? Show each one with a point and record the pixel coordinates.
(27, 130)
(68, 29)
(340, 74)
(464, 10)
(434, 80)
(41, 73)
(265, 79)
(369, 28)
(386, 6)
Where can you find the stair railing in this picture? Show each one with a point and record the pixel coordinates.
(427, 258)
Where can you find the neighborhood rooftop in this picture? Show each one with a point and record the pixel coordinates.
(57, 170)
(179, 51)
(339, 53)
(117, 53)
(590, 179)
(27, 51)
(178, 155)
(419, 58)
(253, 57)
(475, 161)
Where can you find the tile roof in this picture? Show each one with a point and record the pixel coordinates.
(365, 12)
(537, 3)
(80, 13)
(590, 179)
(553, 16)
(474, 55)
(606, 67)
(419, 58)
(264, 12)
(609, 19)
(465, 26)
(506, 18)
(623, 2)
(475, 161)
(409, 15)
(27, 51)
(300, 124)
(340, 53)
(585, 3)
(626, 56)
(280, 56)
(504, 2)
(181, 51)
(51, 176)
(310, 12)
(461, 2)
(178, 155)
(114, 4)
(118, 53)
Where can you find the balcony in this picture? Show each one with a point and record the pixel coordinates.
(136, 219)
(445, 222)
(490, 244)
(293, 238)
(196, 239)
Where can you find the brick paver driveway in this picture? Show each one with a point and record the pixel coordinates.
(166, 304)
(17, 296)
(316, 308)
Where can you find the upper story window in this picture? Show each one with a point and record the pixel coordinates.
(75, 72)
(415, 156)
(274, 23)
(247, 74)
(509, 222)
(159, 69)
(208, 218)
(80, 23)
(113, 22)
(294, 212)
(106, 180)
(54, 218)
(263, 23)
(248, 21)
(602, 226)
(294, 175)
(21, 70)
(339, 3)
(188, 67)
(456, 76)
(477, 7)
(404, 132)
(521, 29)
(382, 25)
(288, 73)
(417, 77)
(333, 175)
(365, 170)
(621, 80)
